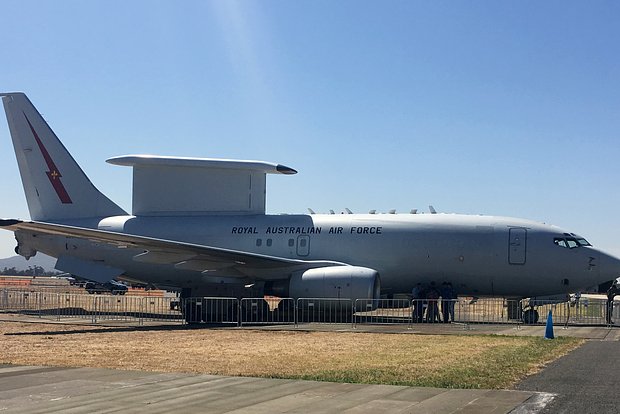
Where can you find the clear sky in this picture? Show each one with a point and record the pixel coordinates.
(482, 107)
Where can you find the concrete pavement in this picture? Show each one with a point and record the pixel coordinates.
(88, 390)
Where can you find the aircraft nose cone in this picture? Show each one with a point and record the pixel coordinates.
(609, 267)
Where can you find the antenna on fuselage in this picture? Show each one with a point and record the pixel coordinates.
(311, 211)
(348, 211)
(331, 211)
(414, 211)
(372, 212)
(393, 211)
(432, 209)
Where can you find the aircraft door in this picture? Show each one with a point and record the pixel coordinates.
(303, 245)
(517, 246)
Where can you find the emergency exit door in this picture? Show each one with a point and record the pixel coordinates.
(303, 245)
(517, 246)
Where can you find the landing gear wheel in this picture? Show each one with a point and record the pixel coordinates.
(530, 316)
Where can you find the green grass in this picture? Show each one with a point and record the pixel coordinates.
(495, 368)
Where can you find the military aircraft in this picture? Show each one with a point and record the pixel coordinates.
(198, 225)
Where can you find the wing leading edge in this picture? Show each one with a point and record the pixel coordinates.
(181, 255)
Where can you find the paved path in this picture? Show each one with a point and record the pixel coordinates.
(89, 390)
(585, 381)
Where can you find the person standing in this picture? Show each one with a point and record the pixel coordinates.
(611, 294)
(445, 293)
(417, 296)
(432, 312)
(448, 299)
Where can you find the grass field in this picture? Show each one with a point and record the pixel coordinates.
(448, 361)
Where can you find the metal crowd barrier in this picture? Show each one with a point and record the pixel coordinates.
(487, 311)
(322, 310)
(383, 311)
(93, 308)
(272, 311)
(276, 311)
(211, 310)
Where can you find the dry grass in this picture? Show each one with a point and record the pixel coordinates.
(443, 361)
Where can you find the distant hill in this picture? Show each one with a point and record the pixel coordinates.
(20, 263)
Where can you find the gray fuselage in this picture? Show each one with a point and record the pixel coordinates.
(479, 255)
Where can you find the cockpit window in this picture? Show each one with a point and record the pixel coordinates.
(570, 241)
(581, 240)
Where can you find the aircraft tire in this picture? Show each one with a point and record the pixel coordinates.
(530, 317)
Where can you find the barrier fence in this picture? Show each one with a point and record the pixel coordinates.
(317, 310)
(211, 310)
(91, 308)
(272, 311)
(383, 311)
(288, 311)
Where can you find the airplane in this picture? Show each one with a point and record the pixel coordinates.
(198, 226)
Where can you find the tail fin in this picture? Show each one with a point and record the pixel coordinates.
(55, 185)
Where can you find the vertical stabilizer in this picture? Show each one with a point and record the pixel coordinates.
(56, 187)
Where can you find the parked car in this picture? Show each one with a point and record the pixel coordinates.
(114, 287)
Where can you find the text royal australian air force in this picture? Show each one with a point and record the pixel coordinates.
(307, 230)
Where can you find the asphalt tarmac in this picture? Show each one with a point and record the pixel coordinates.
(585, 381)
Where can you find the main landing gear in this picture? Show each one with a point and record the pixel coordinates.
(530, 316)
(522, 310)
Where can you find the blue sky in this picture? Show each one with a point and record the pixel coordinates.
(482, 107)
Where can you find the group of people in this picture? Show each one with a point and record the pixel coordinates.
(426, 302)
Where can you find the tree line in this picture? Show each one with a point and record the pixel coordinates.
(31, 271)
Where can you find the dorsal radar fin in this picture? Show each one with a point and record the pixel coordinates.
(183, 185)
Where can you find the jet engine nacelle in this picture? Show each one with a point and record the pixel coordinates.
(338, 282)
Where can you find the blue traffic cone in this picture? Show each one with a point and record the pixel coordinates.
(549, 328)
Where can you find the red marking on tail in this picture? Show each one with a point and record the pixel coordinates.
(53, 174)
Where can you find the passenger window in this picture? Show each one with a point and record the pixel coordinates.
(269, 242)
(259, 242)
(291, 242)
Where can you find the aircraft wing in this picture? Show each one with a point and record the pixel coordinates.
(186, 256)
